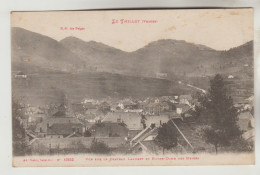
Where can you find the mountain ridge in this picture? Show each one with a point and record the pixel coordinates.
(173, 57)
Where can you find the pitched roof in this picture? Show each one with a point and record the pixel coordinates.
(59, 114)
(188, 97)
(251, 98)
(106, 128)
(245, 115)
(55, 120)
(184, 107)
(131, 119)
(157, 120)
(168, 102)
(63, 128)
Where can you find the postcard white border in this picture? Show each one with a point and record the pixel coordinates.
(5, 93)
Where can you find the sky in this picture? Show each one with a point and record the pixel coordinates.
(220, 29)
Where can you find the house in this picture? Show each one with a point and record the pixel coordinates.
(250, 99)
(108, 129)
(62, 130)
(161, 75)
(167, 106)
(33, 119)
(166, 98)
(89, 105)
(230, 77)
(41, 128)
(128, 104)
(77, 107)
(147, 132)
(59, 114)
(185, 99)
(172, 114)
(24, 121)
(145, 142)
(247, 107)
(156, 100)
(90, 117)
(89, 101)
(151, 136)
(142, 104)
(20, 75)
(153, 108)
(156, 120)
(194, 102)
(104, 106)
(134, 110)
(87, 122)
(246, 121)
(182, 108)
(33, 110)
(30, 136)
(132, 120)
(174, 101)
(114, 106)
(120, 106)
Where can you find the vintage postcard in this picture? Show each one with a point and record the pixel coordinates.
(133, 87)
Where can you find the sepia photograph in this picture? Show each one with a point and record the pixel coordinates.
(133, 87)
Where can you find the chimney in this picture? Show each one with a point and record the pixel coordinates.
(144, 125)
(153, 125)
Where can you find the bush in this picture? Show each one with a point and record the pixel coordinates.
(99, 147)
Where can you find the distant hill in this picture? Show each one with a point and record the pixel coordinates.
(31, 49)
(163, 56)
(97, 56)
(172, 57)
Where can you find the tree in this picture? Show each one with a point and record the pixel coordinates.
(167, 137)
(222, 115)
(99, 147)
(87, 133)
(18, 136)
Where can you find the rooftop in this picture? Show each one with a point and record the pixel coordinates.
(131, 119)
(63, 128)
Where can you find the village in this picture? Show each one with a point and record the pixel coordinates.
(123, 125)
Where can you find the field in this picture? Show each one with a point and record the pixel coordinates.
(52, 87)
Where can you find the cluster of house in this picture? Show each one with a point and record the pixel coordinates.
(246, 120)
(127, 122)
